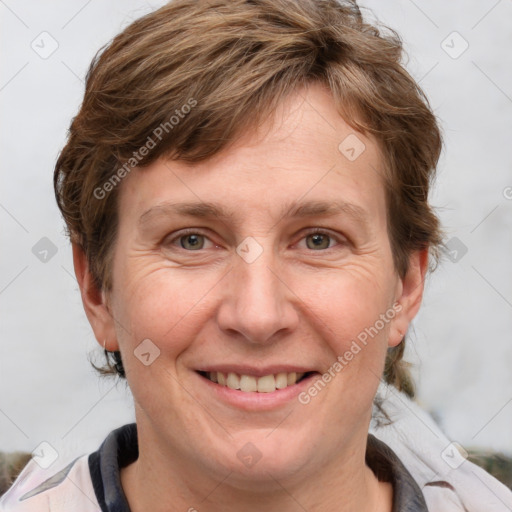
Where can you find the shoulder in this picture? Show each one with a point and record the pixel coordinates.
(448, 481)
(88, 483)
(63, 489)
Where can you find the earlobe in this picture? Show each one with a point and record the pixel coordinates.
(94, 301)
(409, 296)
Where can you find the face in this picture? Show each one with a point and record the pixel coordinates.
(262, 266)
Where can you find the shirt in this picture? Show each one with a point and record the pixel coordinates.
(449, 482)
(92, 483)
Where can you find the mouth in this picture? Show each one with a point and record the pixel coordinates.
(256, 384)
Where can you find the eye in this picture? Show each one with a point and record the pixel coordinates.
(320, 240)
(190, 241)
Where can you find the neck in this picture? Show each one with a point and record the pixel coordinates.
(158, 479)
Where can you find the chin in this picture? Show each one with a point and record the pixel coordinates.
(265, 456)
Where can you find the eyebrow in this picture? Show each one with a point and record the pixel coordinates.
(294, 210)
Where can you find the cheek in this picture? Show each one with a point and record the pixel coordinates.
(349, 298)
(354, 312)
(165, 307)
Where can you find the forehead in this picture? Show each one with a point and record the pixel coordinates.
(306, 159)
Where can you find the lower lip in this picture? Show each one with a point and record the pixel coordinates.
(255, 401)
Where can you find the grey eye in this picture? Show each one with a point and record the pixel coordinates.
(318, 241)
(192, 242)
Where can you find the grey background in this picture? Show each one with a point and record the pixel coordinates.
(461, 344)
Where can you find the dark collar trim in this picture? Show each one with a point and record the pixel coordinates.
(120, 449)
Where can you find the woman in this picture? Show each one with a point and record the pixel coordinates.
(246, 191)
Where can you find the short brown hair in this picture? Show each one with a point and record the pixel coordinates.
(235, 61)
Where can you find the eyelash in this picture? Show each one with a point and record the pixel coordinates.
(312, 231)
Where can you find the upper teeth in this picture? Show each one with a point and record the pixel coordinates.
(248, 383)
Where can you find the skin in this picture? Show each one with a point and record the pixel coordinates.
(295, 304)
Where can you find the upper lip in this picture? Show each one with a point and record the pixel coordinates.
(253, 371)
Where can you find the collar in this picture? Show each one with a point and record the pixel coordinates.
(120, 449)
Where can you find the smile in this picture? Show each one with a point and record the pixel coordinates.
(251, 384)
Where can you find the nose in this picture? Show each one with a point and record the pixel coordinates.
(257, 303)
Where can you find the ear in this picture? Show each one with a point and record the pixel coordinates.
(408, 297)
(95, 302)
